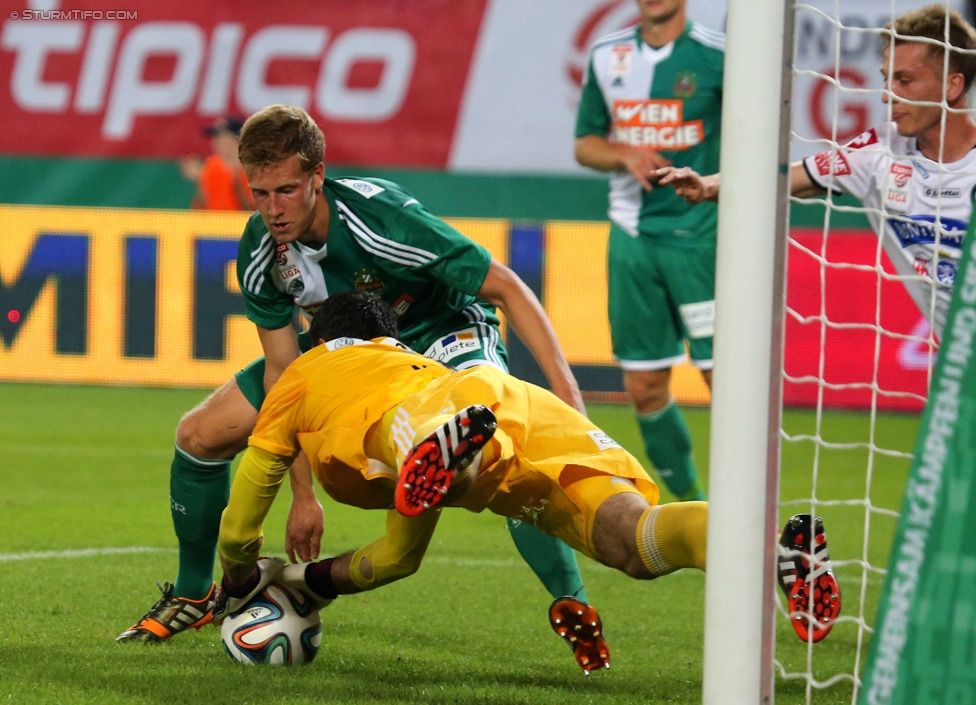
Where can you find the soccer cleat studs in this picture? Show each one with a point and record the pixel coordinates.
(806, 578)
(427, 472)
(580, 625)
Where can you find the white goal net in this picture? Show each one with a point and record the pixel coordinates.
(851, 358)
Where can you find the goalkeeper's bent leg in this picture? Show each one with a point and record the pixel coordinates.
(199, 490)
(553, 562)
(673, 536)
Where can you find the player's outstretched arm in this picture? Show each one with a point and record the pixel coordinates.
(503, 288)
(689, 184)
(242, 524)
(603, 155)
(306, 519)
(695, 188)
(303, 530)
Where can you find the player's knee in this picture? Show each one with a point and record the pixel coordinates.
(649, 390)
(202, 437)
(615, 534)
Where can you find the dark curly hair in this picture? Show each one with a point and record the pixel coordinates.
(353, 314)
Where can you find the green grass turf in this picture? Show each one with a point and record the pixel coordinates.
(86, 532)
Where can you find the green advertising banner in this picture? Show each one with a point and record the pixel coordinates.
(924, 647)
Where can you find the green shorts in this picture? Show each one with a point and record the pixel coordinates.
(660, 297)
(479, 344)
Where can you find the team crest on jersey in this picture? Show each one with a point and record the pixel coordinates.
(620, 57)
(685, 84)
(368, 281)
(945, 272)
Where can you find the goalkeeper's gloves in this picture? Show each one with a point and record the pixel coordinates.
(231, 598)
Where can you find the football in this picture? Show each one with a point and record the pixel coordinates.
(277, 626)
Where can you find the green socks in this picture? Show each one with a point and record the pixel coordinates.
(198, 493)
(668, 445)
(550, 559)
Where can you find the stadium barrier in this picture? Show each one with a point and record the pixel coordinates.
(150, 297)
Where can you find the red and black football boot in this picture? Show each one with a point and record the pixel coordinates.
(805, 575)
(427, 472)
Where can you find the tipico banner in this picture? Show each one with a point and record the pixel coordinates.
(444, 84)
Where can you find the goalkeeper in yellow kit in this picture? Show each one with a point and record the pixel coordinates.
(384, 427)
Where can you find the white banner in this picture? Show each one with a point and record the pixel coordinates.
(518, 112)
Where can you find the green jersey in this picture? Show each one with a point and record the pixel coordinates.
(382, 240)
(668, 99)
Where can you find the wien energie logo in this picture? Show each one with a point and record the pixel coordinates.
(656, 124)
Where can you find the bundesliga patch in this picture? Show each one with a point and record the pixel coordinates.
(364, 188)
(620, 57)
(454, 345)
(602, 440)
(286, 273)
(896, 186)
(832, 163)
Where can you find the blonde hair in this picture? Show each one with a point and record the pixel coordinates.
(276, 132)
(929, 22)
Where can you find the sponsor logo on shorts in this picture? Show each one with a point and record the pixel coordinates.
(455, 345)
(602, 440)
(699, 318)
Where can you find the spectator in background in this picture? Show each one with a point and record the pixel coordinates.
(220, 180)
(916, 175)
(652, 97)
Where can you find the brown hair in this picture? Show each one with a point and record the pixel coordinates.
(929, 22)
(276, 132)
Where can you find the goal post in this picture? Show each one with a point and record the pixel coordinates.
(750, 271)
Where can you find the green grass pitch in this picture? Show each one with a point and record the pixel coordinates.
(86, 533)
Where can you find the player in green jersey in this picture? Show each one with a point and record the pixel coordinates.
(313, 236)
(652, 97)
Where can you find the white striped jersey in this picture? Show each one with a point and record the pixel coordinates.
(381, 240)
(920, 207)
